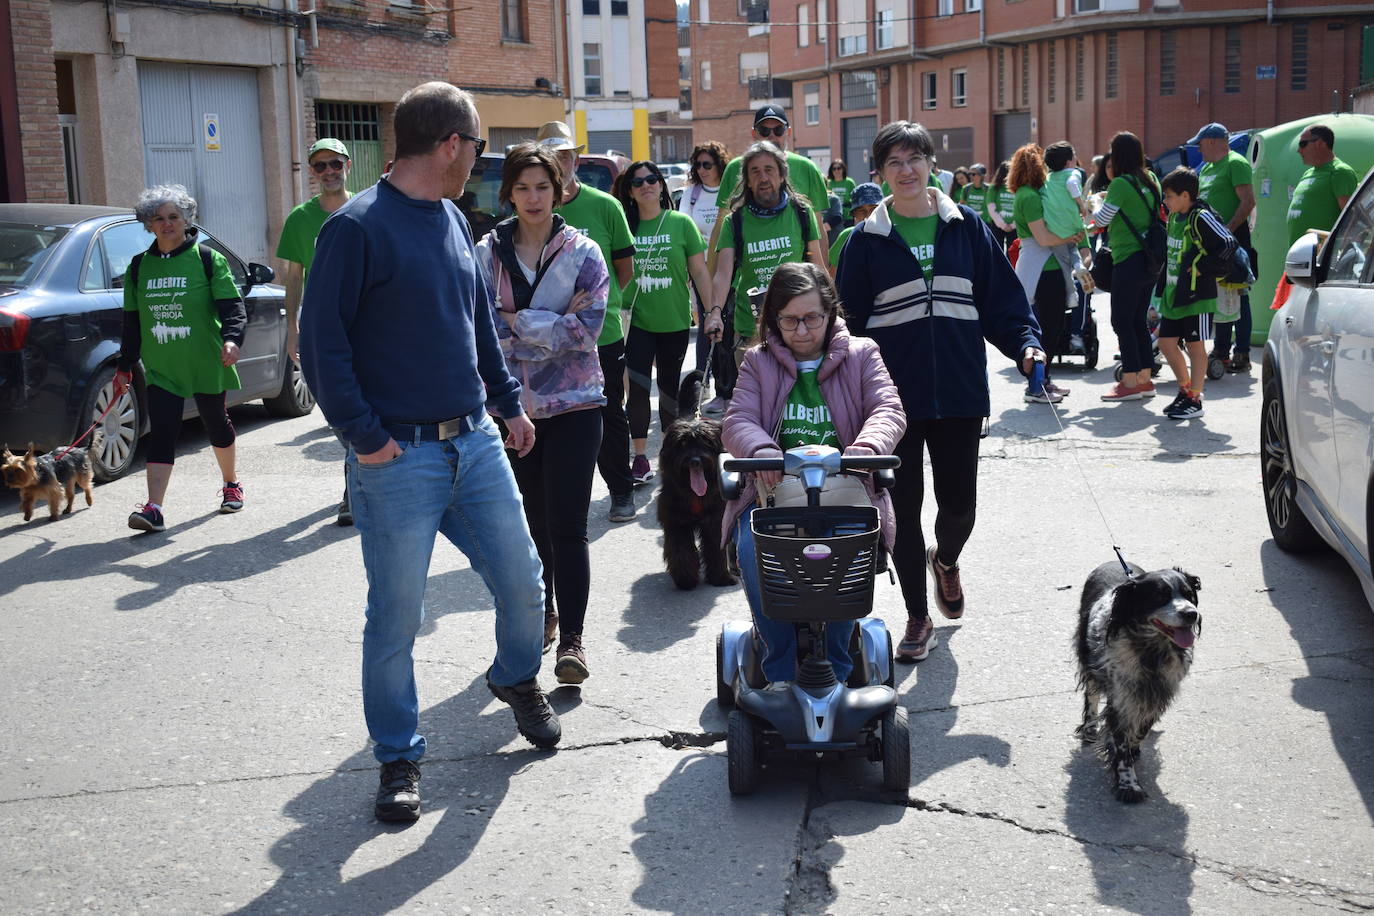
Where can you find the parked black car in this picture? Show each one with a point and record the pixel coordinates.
(61, 298)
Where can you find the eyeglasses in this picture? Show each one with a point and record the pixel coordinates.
(1303, 143)
(900, 164)
(704, 164)
(335, 164)
(771, 131)
(791, 323)
(476, 141)
(641, 182)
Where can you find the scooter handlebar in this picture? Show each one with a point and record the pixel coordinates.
(847, 463)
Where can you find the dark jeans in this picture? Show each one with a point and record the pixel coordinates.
(723, 368)
(1244, 326)
(555, 479)
(1050, 296)
(953, 447)
(164, 421)
(613, 461)
(1131, 286)
(645, 350)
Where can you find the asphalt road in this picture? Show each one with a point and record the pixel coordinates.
(186, 732)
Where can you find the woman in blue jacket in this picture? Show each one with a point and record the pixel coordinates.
(924, 277)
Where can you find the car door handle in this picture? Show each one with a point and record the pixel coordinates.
(1328, 347)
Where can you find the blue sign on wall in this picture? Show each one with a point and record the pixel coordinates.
(1267, 73)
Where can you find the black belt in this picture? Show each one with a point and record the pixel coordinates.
(416, 433)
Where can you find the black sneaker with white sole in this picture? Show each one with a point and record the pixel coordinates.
(147, 518)
(534, 717)
(398, 792)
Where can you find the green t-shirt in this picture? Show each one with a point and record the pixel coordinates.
(919, 234)
(976, 199)
(768, 242)
(298, 234)
(1314, 204)
(1028, 206)
(1217, 183)
(844, 190)
(179, 323)
(1122, 193)
(1180, 241)
(1005, 201)
(838, 245)
(660, 296)
(803, 177)
(600, 218)
(805, 418)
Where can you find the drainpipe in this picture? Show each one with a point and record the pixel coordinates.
(1270, 13)
(293, 92)
(558, 42)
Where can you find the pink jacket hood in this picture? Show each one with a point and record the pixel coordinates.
(864, 406)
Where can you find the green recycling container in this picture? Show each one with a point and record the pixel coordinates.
(1278, 168)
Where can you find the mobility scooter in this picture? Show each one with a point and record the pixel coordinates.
(816, 566)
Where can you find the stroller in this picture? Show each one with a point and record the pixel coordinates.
(816, 568)
(1082, 324)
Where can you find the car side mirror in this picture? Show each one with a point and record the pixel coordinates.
(1300, 264)
(258, 274)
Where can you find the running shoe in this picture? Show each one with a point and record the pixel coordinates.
(641, 470)
(918, 641)
(147, 518)
(231, 497)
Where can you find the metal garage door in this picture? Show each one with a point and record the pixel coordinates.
(1013, 131)
(202, 129)
(599, 141)
(858, 145)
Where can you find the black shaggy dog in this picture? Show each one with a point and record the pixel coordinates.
(689, 502)
(1135, 646)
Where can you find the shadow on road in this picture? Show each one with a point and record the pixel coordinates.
(1110, 832)
(661, 615)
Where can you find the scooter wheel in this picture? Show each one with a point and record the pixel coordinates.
(896, 740)
(1215, 368)
(725, 694)
(1120, 372)
(741, 750)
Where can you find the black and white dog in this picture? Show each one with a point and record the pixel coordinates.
(1135, 646)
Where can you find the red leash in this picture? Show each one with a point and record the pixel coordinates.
(90, 428)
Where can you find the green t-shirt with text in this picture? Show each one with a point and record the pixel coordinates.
(803, 177)
(976, 199)
(298, 234)
(1180, 240)
(1005, 202)
(768, 242)
(179, 323)
(844, 190)
(1314, 204)
(660, 297)
(1217, 183)
(600, 218)
(919, 234)
(805, 417)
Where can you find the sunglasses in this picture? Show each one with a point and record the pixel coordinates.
(704, 164)
(335, 164)
(641, 182)
(477, 141)
(771, 131)
(1303, 143)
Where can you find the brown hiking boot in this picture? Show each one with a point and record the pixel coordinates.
(550, 628)
(949, 592)
(571, 664)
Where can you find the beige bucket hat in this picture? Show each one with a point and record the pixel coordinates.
(557, 135)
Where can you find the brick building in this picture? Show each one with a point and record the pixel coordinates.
(988, 75)
(731, 74)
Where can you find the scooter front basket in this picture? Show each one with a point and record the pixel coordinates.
(823, 579)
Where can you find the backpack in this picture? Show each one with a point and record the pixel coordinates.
(1232, 270)
(1154, 241)
(207, 261)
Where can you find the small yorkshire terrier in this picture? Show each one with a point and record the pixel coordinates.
(46, 476)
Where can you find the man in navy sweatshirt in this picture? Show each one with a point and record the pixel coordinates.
(399, 346)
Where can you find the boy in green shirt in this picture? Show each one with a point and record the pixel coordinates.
(866, 198)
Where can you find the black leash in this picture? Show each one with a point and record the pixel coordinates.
(706, 376)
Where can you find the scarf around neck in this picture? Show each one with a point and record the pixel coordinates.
(765, 212)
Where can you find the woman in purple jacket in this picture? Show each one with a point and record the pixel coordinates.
(808, 383)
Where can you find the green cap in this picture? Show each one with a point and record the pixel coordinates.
(330, 144)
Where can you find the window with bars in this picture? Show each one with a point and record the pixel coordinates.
(929, 87)
(958, 88)
(1110, 86)
(1298, 67)
(1079, 56)
(513, 20)
(1231, 83)
(858, 90)
(347, 121)
(1168, 50)
(1001, 77)
(1025, 76)
(1052, 63)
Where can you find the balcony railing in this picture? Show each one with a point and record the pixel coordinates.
(762, 88)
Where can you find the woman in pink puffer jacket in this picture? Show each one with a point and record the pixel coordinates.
(808, 383)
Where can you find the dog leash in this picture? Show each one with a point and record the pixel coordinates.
(1037, 383)
(89, 429)
(706, 376)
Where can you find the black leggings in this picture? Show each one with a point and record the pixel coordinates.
(613, 459)
(644, 350)
(953, 447)
(1051, 299)
(164, 421)
(1132, 283)
(555, 479)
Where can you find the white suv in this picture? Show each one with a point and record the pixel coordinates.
(1317, 428)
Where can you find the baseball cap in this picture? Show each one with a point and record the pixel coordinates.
(557, 135)
(867, 194)
(1213, 131)
(770, 111)
(329, 144)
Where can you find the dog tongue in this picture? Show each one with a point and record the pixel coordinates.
(698, 482)
(1182, 636)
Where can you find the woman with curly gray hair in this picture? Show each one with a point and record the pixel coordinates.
(184, 319)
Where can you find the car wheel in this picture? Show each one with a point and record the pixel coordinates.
(120, 427)
(1290, 528)
(295, 399)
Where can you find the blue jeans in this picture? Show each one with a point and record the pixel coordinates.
(464, 489)
(780, 637)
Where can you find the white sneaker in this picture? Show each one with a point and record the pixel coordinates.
(717, 405)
